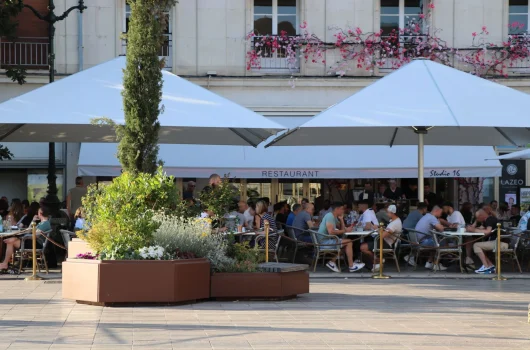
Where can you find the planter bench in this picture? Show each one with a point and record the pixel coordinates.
(275, 281)
(108, 282)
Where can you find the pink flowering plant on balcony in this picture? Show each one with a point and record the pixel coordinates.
(354, 48)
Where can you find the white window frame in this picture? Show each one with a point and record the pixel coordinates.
(275, 17)
(527, 28)
(401, 13)
(169, 57)
(273, 64)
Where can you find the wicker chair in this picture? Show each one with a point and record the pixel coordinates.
(320, 251)
(296, 243)
(416, 249)
(67, 237)
(274, 243)
(449, 247)
(389, 253)
(511, 251)
(26, 252)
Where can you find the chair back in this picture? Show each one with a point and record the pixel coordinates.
(66, 237)
(413, 235)
(314, 238)
(46, 234)
(290, 232)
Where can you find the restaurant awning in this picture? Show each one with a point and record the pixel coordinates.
(332, 162)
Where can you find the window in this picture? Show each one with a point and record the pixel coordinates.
(38, 184)
(518, 17)
(165, 50)
(272, 17)
(400, 14)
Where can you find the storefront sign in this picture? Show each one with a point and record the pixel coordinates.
(289, 174)
(513, 177)
(444, 173)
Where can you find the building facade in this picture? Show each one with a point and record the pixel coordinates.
(208, 43)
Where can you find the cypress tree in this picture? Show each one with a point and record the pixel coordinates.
(142, 82)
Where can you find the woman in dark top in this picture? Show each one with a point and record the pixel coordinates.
(32, 212)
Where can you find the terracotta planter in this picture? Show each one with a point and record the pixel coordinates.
(78, 246)
(136, 281)
(259, 285)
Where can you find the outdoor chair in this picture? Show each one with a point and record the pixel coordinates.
(274, 243)
(25, 252)
(416, 250)
(511, 251)
(448, 247)
(389, 253)
(524, 245)
(296, 243)
(67, 237)
(320, 251)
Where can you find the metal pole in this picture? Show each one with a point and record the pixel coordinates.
(421, 181)
(34, 276)
(381, 276)
(499, 277)
(267, 226)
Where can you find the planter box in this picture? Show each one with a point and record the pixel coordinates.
(136, 281)
(78, 246)
(260, 285)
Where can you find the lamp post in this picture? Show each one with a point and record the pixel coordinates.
(51, 18)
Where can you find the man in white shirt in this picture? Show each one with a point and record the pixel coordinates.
(456, 220)
(390, 235)
(368, 218)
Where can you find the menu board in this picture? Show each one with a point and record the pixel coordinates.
(524, 198)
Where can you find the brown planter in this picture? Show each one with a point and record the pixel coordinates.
(259, 285)
(136, 281)
(78, 246)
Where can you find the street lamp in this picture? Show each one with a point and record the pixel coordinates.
(51, 18)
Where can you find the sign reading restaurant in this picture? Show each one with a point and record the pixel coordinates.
(287, 174)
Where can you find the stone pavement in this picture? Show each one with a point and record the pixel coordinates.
(338, 314)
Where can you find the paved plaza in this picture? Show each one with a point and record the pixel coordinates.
(421, 313)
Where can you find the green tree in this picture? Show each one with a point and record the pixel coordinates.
(142, 82)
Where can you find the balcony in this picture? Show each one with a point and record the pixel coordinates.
(166, 51)
(274, 58)
(28, 52)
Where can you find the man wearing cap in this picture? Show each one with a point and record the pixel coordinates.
(390, 235)
(393, 192)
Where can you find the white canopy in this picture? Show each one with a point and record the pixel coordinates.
(448, 106)
(63, 111)
(333, 162)
(519, 155)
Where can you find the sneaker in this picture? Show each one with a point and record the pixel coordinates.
(429, 265)
(439, 267)
(356, 267)
(470, 262)
(376, 268)
(486, 270)
(410, 260)
(481, 270)
(332, 267)
(406, 257)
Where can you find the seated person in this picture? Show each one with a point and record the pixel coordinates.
(515, 217)
(368, 220)
(455, 219)
(390, 235)
(427, 223)
(524, 223)
(382, 213)
(280, 210)
(79, 218)
(486, 224)
(333, 224)
(297, 208)
(263, 215)
(33, 211)
(303, 222)
(414, 217)
(15, 242)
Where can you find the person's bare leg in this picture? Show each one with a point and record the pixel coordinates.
(348, 249)
(469, 248)
(367, 252)
(11, 245)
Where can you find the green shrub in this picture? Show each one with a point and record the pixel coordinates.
(120, 214)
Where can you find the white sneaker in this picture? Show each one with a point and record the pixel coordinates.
(376, 268)
(356, 267)
(482, 269)
(406, 258)
(410, 260)
(470, 262)
(332, 267)
(429, 265)
(439, 267)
